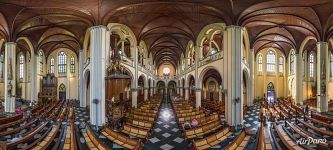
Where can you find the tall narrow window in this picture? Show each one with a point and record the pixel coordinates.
(41, 61)
(62, 62)
(271, 60)
(331, 64)
(260, 63)
(72, 64)
(21, 66)
(52, 65)
(292, 62)
(281, 65)
(311, 66)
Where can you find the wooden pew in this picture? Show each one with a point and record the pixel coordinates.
(304, 134)
(92, 141)
(321, 131)
(18, 129)
(263, 141)
(287, 141)
(140, 124)
(133, 131)
(121, 139)
(10, 119)
(28, 136)
(211, 140)
(203, 130)
(43, 145)
(239, 142)
(70, 138)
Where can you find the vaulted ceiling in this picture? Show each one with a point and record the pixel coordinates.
(165, 26)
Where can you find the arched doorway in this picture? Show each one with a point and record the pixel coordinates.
(270, 93)
(62, 92)
(172, 87)
(191, 85)
(211, 84)
(160, 86)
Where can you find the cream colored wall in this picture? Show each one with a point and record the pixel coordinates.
(160, 69)
(263, 79)
(70, 80)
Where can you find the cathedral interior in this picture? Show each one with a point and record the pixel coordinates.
(166, 74)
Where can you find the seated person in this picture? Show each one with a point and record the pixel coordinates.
(194, 122)
(187, 125)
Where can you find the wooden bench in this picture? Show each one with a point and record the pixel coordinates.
(263, 141)
(70, 138)
(304, 134)
(239, 143)
(18, 129)
(140, 124)
(189, 118)
(287, 141)
(133, 131)
(10, 119)
(121, 139)
(92, 141)
(28, 136)
(48, 140)
(321, 131)
(203, 130)
(211, 140)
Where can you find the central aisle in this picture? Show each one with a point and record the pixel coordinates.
(166, 133)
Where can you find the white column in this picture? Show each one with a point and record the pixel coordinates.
(197, 98)
(233, 40)
(33, 77)
(145, 94)
(178, 89)
(181, 91)
(99, 49)
(154, 90)
(81, 79)
(151, 91)
(186, 93)
(134, 97)
(322, 76)
(299, 79)
(135, 81)
(251, 79)
(10, 76)
(220, 95)
(196, 74)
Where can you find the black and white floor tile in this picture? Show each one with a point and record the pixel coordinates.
(251, 118)
(166, 134)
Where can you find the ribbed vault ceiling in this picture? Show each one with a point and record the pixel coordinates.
(165, 26)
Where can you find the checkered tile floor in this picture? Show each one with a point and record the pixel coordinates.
(166, 134)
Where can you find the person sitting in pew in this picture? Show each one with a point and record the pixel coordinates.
(187, 125)
(194, 123)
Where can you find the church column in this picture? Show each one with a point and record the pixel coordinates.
(151, 90)
(99, 46)
(181, 91)
(10, 76)
(196, 74)
(154, 90)
(135, 80)
(178, 89)
(322, 76)
(233, 75)
(220, 94)
(81, 79)
(186, 92)
(299, 79)
(33, 77)
(145, 94)
(251, 79)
